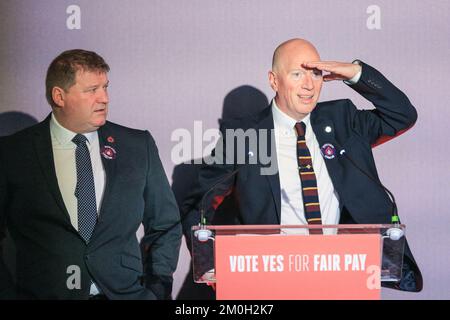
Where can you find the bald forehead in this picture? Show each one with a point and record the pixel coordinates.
(293, 49)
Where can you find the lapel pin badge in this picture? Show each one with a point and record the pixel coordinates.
(328, 129)
(110, 139)
(108, 152)
(328, 151)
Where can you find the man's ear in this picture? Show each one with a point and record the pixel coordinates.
(58, 96)
(273, 81)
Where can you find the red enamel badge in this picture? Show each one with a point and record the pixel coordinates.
(108, 153)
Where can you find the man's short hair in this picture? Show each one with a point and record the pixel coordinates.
(62, 71)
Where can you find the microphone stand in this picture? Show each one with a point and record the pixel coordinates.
(394, 233)
(203, 234)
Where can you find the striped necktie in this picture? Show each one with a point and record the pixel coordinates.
(85, 189)
(308, 179)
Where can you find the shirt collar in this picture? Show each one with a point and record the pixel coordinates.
(64, 136)
(282, 120)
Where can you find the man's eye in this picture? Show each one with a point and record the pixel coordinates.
(317, 74)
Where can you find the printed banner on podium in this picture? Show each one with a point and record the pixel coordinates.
(268, 267)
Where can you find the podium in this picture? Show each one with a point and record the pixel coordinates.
(277, 262)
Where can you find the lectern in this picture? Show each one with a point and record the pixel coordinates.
(272, 262)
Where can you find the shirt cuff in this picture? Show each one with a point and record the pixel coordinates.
(356, 77)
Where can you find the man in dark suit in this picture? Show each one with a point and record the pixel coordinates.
(338, 139)
(73, 191)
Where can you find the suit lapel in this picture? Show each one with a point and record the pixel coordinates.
(108, 143)
(44, 151)
(324, 131)
(266, 123)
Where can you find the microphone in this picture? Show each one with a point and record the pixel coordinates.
(204, 234)
(396, 232)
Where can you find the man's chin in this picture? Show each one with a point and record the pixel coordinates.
(99, 123)
(307, 108)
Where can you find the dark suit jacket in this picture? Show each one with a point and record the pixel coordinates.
(33, 211)
(362, 200)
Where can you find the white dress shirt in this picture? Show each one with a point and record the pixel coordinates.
(292, 211)
(66, 172)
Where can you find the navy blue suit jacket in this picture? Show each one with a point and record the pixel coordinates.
(362, 200)
(33, 211)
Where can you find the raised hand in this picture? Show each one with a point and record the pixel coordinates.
(336, 70)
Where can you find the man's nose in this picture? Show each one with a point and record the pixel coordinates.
(103, 96)
(308, 82)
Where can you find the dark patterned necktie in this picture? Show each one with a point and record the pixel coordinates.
(85, 189)
(308, 179)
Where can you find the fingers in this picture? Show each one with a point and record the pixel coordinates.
(330, 66)
(323, 65)
(333, 76)
(337, 70)
(212, 285)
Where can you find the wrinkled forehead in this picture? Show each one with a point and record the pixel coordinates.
(295, 59)
(293, 55)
